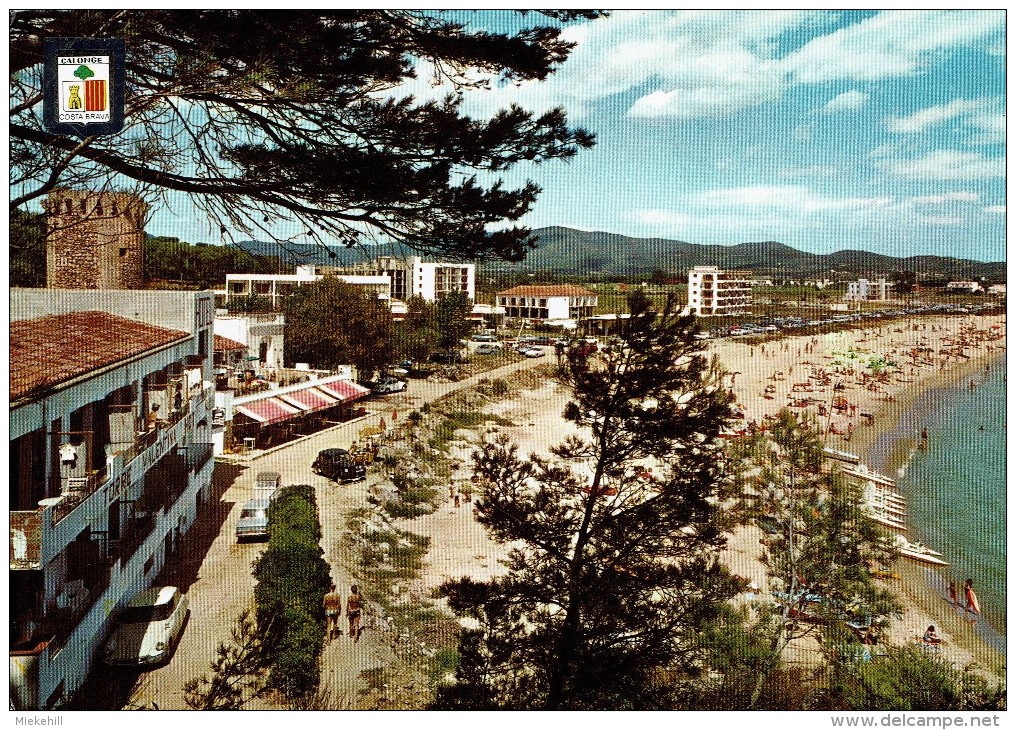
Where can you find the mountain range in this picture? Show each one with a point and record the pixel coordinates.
(569, 252)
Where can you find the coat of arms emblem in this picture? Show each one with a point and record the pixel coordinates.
(83, 82)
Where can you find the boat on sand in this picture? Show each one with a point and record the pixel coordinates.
(919, 552)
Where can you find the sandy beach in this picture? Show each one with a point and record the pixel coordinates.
(856, 382)
(807, 374)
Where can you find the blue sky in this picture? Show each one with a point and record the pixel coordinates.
(825, 130)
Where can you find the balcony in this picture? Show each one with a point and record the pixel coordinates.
(78, 490)
(37, 535)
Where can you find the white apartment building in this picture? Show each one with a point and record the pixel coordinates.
(712, 291)
(412, 276)
(276, 287)
(552, 302)
(864, 290)
(967, 287)
(111, 404)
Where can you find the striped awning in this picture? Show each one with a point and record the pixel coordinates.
(315, 396)
(310, 400)
(344, 390)
(268, 411)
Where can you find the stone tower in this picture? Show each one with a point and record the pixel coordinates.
(94, 240)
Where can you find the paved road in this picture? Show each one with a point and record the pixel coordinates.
(215, 571)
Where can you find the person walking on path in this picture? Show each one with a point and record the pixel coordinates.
(972, 605)
(953, 597)
(333, 609)
(354, 604)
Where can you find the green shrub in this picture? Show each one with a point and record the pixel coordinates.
(445, 430)
(295, 667)
(292, 578)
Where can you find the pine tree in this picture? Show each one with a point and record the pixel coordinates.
(259, 114)
(821, 543)
(617, 532)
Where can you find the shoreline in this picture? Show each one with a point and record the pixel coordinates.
(762, 381)
(920, 587)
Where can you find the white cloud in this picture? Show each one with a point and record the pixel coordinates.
(687, 64)
(942, 220)
(786, 197)
(963, 196)
(892, 43)
(985, 117)
(948, 165)
(919, 121)
(847, 101)
(995, 209)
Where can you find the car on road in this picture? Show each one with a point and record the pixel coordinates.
(148, 630)
(488, 349)
(338, 465)
(253, 522)
(388, 385)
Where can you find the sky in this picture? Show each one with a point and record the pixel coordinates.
(824, 130)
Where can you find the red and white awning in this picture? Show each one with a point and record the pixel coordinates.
(344, 390)
(268, 411)
(310, 400)
(314, 396)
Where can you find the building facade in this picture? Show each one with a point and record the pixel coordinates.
(276, 287)
(864, 290)
(414, 277)
(263, 334)
(966, 287)
(713, 292)
(548, 303)
(111, 460)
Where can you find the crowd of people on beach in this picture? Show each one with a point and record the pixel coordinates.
(838, 390)
(841, 383)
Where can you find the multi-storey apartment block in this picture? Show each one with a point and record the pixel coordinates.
(110, 461)
(712, 291)
(555, 302)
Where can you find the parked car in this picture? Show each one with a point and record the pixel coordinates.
(337, 464)
(253, 522)
(149, 628)
(447, 357)
(266, 484)
(488, 349)
(484, 337)
(536, 340)
(532, 351)
(389, 385)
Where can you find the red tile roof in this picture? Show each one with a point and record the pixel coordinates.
(47, 351)
(550, 290)
(224, 344)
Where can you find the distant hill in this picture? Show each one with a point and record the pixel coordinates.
(571, 252)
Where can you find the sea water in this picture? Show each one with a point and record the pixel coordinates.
(955, 488)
